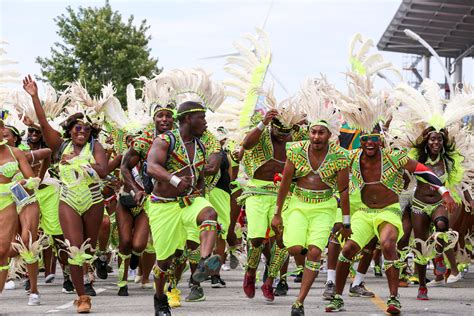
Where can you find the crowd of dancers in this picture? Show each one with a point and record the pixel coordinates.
(195, 172)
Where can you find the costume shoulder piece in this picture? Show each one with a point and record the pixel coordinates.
(211, 143)
(141, 144)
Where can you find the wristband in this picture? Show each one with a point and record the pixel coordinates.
(175, 181)
(261, 126)
(346, 219)
(276, 211)
(442, 190)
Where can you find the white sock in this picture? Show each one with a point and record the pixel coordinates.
(332, 275)
(359, 278)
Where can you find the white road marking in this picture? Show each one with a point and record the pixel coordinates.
(69, 304)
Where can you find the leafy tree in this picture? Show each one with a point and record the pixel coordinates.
(98, 48)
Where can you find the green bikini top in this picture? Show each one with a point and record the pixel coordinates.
(10, 168)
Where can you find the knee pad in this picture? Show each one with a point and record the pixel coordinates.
(208, 225)
(313, 266)
(444, 220)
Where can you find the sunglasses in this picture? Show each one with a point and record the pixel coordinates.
(85, 128)
(371, 137)
(33, 131)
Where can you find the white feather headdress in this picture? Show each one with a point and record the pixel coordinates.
(53, 105)
(158, 92)
(317, 98)
(91, 107)
(364, 107)
(196, 85)
(289, 110)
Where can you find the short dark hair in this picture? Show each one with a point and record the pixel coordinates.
(184, 109)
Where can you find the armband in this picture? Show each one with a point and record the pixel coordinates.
(261, 126)
(175, 181)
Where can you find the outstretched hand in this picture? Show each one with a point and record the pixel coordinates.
(29, 85)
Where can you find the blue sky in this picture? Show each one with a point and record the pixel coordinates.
(307, 37)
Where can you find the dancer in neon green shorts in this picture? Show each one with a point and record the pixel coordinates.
(176, 209)
(264, 158)
(320, 168)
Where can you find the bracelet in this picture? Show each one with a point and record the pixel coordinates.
(174, 181)
(32, 183)
(346, 219)
(261, 126)
(32, 157)
(442, 190)
(276, 211)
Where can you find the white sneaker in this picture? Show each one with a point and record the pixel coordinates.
(138, 279)
(33, 299)
(10, 285)
(434, 283)
(454, 278)
(50, 278)
(225, 267)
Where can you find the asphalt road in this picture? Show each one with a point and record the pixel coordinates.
(457, 299)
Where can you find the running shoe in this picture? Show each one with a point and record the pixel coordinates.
(329, 290)
(393, 305)
(206, 268)
(49, 278)
(281, 288)
(249, 285)
(297, 309)
(196, 294)
(10, 285)
(336, 304)
(454, 278)
(89, 289)
(217, 282)
(27, 286)
(378, 271)
(299, 277)
(360, 291)
(440, 267)
(267, 291)
(422, 293)
(101, 267)
(123, 291)
(68, 287)
(162, 308)
(233, 260)
(33, 299)
(435, 283)
(134, 260)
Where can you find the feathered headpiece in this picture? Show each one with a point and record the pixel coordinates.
(317, 98)
(53, 106)
(196, 85)
(363, 107)
(289, 109)
(90, 107)
(159, 93)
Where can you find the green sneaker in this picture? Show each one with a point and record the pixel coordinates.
(393, 305)
(196, 294)
(336, 304)
(297, 309)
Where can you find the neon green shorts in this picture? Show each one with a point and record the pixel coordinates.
(366, 221)
(48, 199)
(5, 195)
(259, 210)
(308, 223)
(220, 200)
(171, 225)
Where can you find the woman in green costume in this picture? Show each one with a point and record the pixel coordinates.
(82, 165)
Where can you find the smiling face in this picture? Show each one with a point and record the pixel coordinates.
(9, 137)
(319, 137)
(80, 133)
(435, 143)
(34, 135)
(164, 121)
(370, 144)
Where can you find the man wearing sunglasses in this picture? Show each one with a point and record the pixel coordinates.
(264, 159)
(376, 183)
